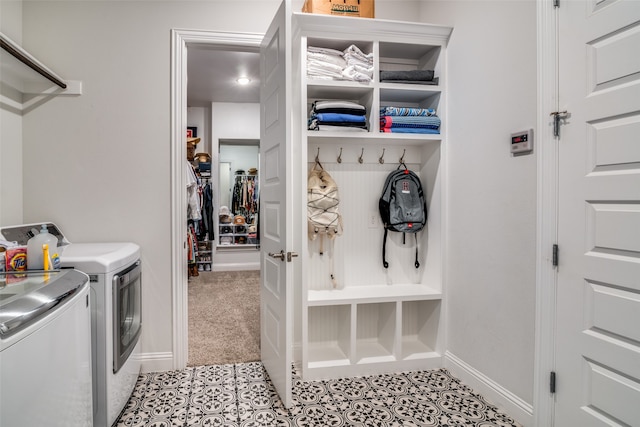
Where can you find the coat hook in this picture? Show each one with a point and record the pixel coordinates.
(340, 156)
(381, 159)
(318, 158)
(402, 158)
(360, 160)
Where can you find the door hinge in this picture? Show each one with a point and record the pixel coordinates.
(554, 258)
(556, 3)
(552, 382)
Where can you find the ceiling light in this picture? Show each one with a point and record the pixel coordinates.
(243, 80)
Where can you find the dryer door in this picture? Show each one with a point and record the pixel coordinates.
(127, 313)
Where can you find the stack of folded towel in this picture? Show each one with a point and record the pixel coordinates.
(409, 120)
(330, 64)
(422, 77)
(338, 116)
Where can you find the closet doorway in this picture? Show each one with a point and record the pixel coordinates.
(216, 311)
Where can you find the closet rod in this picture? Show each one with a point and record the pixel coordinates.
(23, 56)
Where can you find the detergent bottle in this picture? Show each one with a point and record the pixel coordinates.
(35, 253)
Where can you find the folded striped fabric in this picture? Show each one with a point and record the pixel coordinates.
(430, 122)
(411, 130)
(406, 111)
(337, 115)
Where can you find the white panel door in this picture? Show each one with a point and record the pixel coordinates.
(276, 305)
(598, 297)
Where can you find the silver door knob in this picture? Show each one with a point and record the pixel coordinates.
(280, 255)
(291, 255)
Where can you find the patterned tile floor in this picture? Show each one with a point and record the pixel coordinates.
(242, 395)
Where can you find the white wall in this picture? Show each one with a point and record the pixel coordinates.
(492, 196)
(10, 126)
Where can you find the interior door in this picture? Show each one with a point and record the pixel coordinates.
(598, 294)
(276, 308)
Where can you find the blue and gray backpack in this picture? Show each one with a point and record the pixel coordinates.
(402, 207)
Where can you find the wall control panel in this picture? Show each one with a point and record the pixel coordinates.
(522, 142)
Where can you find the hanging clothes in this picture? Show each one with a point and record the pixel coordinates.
(207, 213)
(194, 210)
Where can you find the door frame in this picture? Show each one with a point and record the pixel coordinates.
(547, 209)
(180, 39)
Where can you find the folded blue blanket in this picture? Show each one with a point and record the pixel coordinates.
(337, 117)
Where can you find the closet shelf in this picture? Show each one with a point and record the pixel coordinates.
(27, 75)
(372, 294)
(374, 138)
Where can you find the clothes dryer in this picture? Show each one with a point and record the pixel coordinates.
(114, 271)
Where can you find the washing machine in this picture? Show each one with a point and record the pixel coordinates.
(45, 349)
(115, 278)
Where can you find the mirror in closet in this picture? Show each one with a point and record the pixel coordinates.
(239, 193)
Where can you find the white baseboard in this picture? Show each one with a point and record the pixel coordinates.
(156, 362)
(241, 266)
(496, 394)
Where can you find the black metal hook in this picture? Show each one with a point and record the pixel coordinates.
(340, 156)
(381, 159)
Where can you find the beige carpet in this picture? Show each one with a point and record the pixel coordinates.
(224, 317)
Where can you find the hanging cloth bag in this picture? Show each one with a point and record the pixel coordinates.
(323, 216)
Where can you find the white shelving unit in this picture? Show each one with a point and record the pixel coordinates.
(376, 320)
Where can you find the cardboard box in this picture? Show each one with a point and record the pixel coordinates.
(358, 8)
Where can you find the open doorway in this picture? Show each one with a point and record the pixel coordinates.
(205, 66)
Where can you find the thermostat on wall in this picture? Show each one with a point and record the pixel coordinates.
(522, 142)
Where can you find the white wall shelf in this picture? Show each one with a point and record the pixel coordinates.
(22, 74)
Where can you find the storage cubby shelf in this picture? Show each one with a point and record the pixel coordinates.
(371, 294)
(377, 320)
(373, 138)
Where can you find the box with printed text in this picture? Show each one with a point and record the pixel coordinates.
(358, 8)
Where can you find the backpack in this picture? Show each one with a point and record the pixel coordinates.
(323, 217)
(402, 207)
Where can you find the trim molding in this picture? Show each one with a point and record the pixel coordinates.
(492, 391)
(156, 362)
(547, 208)
(179, 41)
(236, 266)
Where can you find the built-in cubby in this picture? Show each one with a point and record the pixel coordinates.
(376, 332)
(329, 335)
(359, 317)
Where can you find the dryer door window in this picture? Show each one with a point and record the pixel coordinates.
(127, 313)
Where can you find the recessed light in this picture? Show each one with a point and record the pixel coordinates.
(243, 80)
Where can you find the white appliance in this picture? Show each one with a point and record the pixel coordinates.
(114, 271)
(45, 350)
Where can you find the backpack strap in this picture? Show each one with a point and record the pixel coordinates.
(384, 249)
